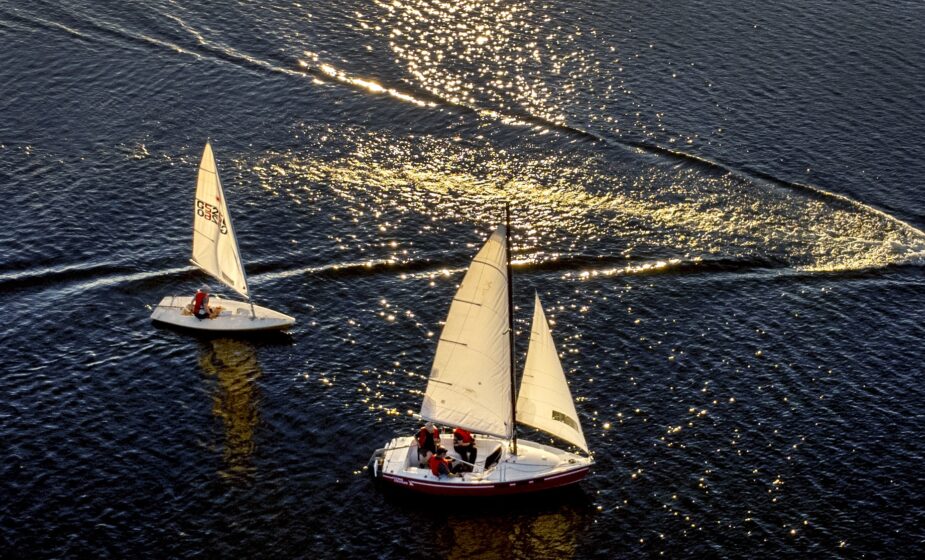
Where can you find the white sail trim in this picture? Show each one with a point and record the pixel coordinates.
(470, 381)
(215, 247)
(544, 400)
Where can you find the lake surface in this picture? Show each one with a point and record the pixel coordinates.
(720, 205)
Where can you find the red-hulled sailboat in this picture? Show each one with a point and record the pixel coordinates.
(471, 386)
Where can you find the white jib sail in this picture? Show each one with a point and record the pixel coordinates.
(215, 248)
(544, 400)
(470, 381)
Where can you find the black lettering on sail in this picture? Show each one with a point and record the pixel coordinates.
(205, 210)
(212, 214)
(559, 417)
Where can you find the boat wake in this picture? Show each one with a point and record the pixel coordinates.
(74, 279)
(674, 206)
(324, 71)
(99, 30)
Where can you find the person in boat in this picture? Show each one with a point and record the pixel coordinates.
(464, 444)
(441, 465)
(428, 438)
(200, 304)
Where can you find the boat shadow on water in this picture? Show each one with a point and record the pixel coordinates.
(233, 368)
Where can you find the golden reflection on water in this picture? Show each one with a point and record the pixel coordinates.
(487, 54)
(578, 203)
(510, 58)
(233, 365)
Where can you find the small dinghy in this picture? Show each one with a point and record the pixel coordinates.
(471, 386)
(215, 252)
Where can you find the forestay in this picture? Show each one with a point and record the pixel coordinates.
(544, 400)
(215, 248)
(470, 381)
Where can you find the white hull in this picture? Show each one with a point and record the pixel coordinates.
(536, 467)
(235, 316)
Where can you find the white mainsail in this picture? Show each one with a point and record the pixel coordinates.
(544, 400)
(470, 381)
(215, 248)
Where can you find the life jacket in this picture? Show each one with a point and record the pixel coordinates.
(199, 301)
(428, 440)
(434, 462)
(463, 436)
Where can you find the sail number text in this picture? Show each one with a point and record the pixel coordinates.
(211, 213)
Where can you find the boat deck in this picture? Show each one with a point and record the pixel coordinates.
(234, 316)
(535, 467)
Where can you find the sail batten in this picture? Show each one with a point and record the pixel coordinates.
(215, 247)
(544, 400)
(469, 383)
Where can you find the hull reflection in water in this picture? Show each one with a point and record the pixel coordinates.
(233, 365)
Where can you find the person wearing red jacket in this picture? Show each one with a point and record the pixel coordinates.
(441, 465)
(464, 444)
(200, 304)
(428, 439)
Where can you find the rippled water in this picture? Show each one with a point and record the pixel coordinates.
(720, 206)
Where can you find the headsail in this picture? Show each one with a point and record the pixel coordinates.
(215, 248)
(544, 400)
(470, 383)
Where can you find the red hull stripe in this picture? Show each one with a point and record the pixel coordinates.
(487, 489)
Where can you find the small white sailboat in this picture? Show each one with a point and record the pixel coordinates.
(471, 386)
(215, 252)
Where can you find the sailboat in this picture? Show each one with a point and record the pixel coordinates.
(471, 386)
(215, 252)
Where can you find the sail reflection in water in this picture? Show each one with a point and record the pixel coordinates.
(233, 365)
(552, 534)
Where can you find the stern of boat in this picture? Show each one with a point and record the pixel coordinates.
(374, 467)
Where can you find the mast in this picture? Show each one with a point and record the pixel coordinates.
(510, 321)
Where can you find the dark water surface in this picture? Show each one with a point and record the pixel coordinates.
(720, 205)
